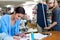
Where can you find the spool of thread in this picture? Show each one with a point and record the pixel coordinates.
(32, 36)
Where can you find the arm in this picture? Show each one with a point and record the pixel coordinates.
(51, 25)
(3, 26)
(17, 27)
(55, 21)
(17, 32)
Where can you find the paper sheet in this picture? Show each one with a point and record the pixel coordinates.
(36, 36)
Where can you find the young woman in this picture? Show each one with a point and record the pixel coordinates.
(52, 4)
(10, 23)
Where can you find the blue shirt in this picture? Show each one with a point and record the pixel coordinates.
(56, 18)
(7, 28)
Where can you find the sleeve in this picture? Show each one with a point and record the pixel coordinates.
(56, 15)
(0, 23)
(17, 28)
(3, 26)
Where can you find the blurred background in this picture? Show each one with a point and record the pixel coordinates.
(30, 6)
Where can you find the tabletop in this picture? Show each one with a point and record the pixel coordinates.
(55, 36)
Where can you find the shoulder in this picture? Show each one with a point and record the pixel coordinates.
(57, 9)
(4, 16)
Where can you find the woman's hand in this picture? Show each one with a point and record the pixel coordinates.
(21, 35)
(51, 25)
(47, 28)
(16, 38)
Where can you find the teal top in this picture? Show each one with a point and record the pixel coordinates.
(7, 28)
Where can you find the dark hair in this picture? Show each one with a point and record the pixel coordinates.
(19, 10)
(8, 8)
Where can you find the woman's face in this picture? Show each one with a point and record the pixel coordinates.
(19, 16)
(51, 5)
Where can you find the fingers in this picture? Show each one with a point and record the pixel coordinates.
(16, 38)
(47, 28)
